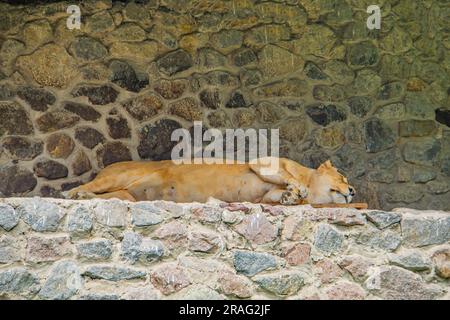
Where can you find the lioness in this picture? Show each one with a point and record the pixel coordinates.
(164, 180)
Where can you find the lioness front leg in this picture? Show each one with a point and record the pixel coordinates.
(283, 177)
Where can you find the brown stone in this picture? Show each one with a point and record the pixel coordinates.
(50, 169)
(441, 260)
(60, 145)
(81, 164)
(187, 108)
(56, 120)
(171, 89)
(144, 108)
(113, 152)
(415, 84)
(296, 254)
(50, 65)
(118, 127)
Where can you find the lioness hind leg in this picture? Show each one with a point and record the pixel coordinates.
(121, 195)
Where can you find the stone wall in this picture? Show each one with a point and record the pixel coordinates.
(375, 102)
(109, 249)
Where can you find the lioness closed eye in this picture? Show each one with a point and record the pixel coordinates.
(164, 180)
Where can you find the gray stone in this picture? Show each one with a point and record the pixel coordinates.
(145, 214)
(424, 152)
(237, 100)
(393, 283)
(383, 219)
(350, 160)
(250, 263)
(112, 152)
(147, 106)
(332, 93)
(385, 240)
(95, 250)
(63, 282)
(99, 95)
(314, 72)
(420, 231)
(244, 57)
(9, 249)
(324, 114)
(9, 218)
(16, 180)
(39, 99)
(136, 248)
(40, 215)
(22, 148)
(363, 54)
(208, 58)
(391, 91)
(197, 292)
(87, 48)
(227, 40)
(79, 220)
(210, 98)
(416, 128)
(360, 106)
(419, 106)
(113, 273)
(413, 261)
(281, 283)
(111, 213)
(378, 135)
(99, 296)
(14, 119)
(127, 77)
(19, 281)
(174, 62)
(328, 239)
(89, 137)
(423, 175)
(83, 111)
(155, 140)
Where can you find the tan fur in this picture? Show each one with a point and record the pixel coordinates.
(164, 180)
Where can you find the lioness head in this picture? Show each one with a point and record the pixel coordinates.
(327, 185)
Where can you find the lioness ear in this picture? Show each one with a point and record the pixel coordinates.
(326, 165)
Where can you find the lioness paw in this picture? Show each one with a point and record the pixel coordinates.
(299, 190)
(289, 198)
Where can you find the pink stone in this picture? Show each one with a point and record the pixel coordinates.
(327, 270)
(207, 214)
(356, 265)
(235, 207)
(174, 234)
(239, 286)
(44, 249)
(273, 210)
(345, 291)
(257, 229)
(169, 279)
(204, 242)
(296, 254)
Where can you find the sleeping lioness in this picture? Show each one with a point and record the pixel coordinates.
(164, 180)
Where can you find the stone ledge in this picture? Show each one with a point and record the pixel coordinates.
(97, 249)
